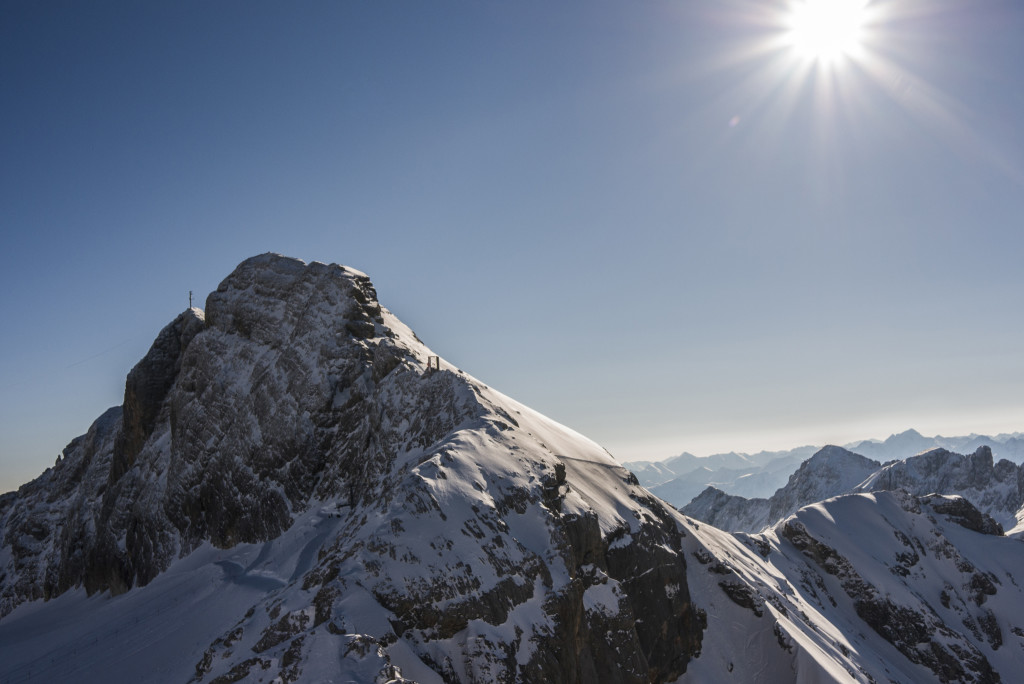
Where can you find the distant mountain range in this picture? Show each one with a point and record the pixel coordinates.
(679, 479)
(995, 488)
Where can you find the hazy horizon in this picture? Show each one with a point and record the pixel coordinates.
(670, 226)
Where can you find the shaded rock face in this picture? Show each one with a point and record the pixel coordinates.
(654, 632)
(963, 513)
(494, 549)
(147, 386)
(46, 520)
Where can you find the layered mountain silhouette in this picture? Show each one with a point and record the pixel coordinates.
(996, 488)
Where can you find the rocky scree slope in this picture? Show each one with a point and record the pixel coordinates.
(458, 533)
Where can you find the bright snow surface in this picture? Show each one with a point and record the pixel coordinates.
(810, 631)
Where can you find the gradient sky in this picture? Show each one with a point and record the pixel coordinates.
(649, 220)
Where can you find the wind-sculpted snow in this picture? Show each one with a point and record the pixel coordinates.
(362, 514)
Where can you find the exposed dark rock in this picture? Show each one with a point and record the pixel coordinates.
(729, 512)
(743, 595)
(147, 386)
(963, 513)
(990, 627)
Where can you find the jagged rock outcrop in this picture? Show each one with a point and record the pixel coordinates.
(439, 524)
(147, 386)
(996, 488)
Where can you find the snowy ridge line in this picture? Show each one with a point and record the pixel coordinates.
(996, 488)
(680, 479)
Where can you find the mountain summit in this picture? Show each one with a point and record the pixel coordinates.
(406, 517)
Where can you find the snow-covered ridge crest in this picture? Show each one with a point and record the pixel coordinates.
(408, 517)
(996, 488)
(871, 587)
(679, 479)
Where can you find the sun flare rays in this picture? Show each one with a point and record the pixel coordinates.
(826, 30)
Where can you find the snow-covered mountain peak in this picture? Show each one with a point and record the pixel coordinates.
(997, 488)
(274, 299)
(832, 456)
(828, 472)
(295, 440)
(832, 470)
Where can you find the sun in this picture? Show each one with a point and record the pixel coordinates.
(825, 30)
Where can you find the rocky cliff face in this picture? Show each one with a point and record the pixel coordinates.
(453, 530)
(729, 512)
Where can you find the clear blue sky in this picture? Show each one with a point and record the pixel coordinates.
(650, 220)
